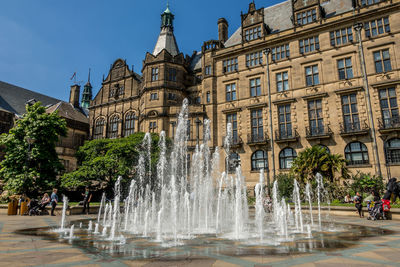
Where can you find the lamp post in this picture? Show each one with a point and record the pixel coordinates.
(271, 128)
(358, 27)
(198, 122)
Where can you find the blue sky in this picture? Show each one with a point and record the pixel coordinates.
(43, 42)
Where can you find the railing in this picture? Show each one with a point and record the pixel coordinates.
(257, 138)
(318, 132)
(354, 127)
(389, 123)
(286, 135)
(235, 141)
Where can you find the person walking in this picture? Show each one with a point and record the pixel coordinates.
(54, 201)
(86, 200)
(358, 203)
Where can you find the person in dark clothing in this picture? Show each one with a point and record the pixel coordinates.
(54, 201)
(358, 204)
(376, 196)
(86, 200)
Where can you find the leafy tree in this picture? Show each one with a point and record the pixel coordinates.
(317, 159)
(285, 184)
(31, 163)
(365, 183)
(102, 161)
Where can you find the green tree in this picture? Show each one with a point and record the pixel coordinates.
(285, 184)
(365, 183)
(31, 163)
(317, 159)
(102, 161)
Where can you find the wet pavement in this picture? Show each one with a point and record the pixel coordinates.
(22, 247)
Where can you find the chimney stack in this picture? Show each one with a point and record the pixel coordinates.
(222, 30)
(74, 95)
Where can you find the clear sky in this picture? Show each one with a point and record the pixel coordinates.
(43, 42)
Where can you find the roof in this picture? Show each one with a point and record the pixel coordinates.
(195, 64)
(67, 111)
(278, 17)
(166, 40)
(14, 98)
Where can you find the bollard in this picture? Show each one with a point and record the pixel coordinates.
(24, 206)
(12, 207)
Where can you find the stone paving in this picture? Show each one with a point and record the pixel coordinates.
(17, 249)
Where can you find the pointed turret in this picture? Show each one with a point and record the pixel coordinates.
(87, 93)
(166, 39)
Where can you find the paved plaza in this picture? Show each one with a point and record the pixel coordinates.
(17, 249)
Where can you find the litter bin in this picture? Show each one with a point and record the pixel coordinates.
(12, 207)
(24, 206)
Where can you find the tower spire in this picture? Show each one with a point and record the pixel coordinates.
(166, 39)
(87, 93)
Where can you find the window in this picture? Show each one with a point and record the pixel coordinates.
(152, 126)
(255, 87)
(197, 100)
(285, 121)
(306, 17)
(208, 70)
(171, 96)
(113, 127)
(280, 52)
(382, 61)
(369, 2)
(257, 132)
(392, 151)
(309, 45)
(171, 75)
(188, 129)
(129, 124)
(315, 117)
(325, 148)
(230, 92)
(208, 98)
(389, 107)
(350, 113)
(230, 65)
(282, 81)
(154, 96)
(356, 153)
(286, 157)
(253, 33)
(312, 75)
(259, 160)
(232, 162)
(99, 129)
(341, 36)
(345, 68)
(254, 59)
(232, 119)
(376, 27)
(154, 74)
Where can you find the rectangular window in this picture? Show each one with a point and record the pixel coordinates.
(376, 27)
(255, 87)
(171, 75)
(154, 96)
(389, 107)
(257, 132)
(369, 2)
(315, 117)
(208, 98)
(382, 61)
(230, 92)
(282, 81)
(197, 100)
(350, 113)
(345, 68)
(254, 59)
(309, 45)
(152, 126)
(208, 70)
(154, 74)
(306, 17)
(312, 75)
(280, 52)
(188, 129)
(230, 65)
(232, 119)
(341, 36)
(253, 33)
(171, 96)
(285, 121)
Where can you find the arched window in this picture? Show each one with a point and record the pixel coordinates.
(392, 149)
(113, 127)
(98, 129)
(356, 153)
(129, 123)
(259, 160)
(233, 161)
(324, 147)
(286, 157)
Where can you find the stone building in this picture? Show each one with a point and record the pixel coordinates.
(293, 75)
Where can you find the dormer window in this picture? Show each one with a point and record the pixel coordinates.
(253, 33)
(306, 17)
